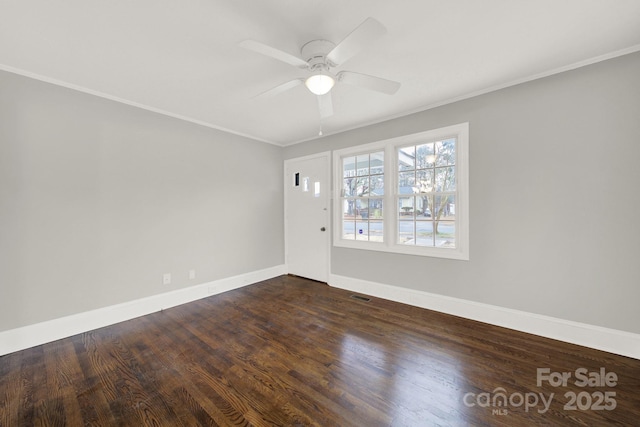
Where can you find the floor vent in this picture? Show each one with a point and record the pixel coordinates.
(360, 298)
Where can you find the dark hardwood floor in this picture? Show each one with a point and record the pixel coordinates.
(294, 352)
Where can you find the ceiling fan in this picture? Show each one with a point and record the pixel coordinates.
(319, 56)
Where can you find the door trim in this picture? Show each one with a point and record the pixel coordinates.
(326, 155)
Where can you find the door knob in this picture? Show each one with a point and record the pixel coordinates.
(323, 229)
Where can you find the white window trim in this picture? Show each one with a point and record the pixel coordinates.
(390, 147)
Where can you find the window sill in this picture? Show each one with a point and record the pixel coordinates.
(456, 254)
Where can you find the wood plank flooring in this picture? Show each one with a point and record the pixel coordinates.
(293, 352)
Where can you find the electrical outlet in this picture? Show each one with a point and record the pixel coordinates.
(166, 279)
(192, 274)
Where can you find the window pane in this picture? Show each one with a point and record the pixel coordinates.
(446, 234)
(445, 207)
(348, 230)
(349, 187)
(348, 209)
(424, 206)
(424, 233)
(362, 230)
(406, 158)
(406, 182)
(405, 207)
(362, 208)
(446, 179)
(362, 186)
(349, 166)
(424, 181)
(363, 165)
(406, 234)
(377, 185)
(425, 156)
(375, 208)
(377, 163)
(446, 152)
(376, 231)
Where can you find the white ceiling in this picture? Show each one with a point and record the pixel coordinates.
(182, 58)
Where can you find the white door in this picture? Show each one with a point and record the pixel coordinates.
(307, 216)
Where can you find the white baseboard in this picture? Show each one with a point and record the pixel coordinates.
(44, 332)
(610, 340)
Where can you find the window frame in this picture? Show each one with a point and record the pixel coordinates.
(391, 193)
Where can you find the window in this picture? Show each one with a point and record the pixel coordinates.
(406, 195)
(362, 197)
(426, 194)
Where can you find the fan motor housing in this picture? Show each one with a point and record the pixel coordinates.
(315, 52)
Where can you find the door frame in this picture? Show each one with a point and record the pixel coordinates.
(326, 155)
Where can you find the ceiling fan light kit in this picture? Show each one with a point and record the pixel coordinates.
(320, 84)
(315, 53)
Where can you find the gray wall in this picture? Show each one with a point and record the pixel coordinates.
(554, 198)
(99, 199)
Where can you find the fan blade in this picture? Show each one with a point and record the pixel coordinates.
(325, 105)
(370, 82)
(272, 52)
(280, 88)
(366, 32)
